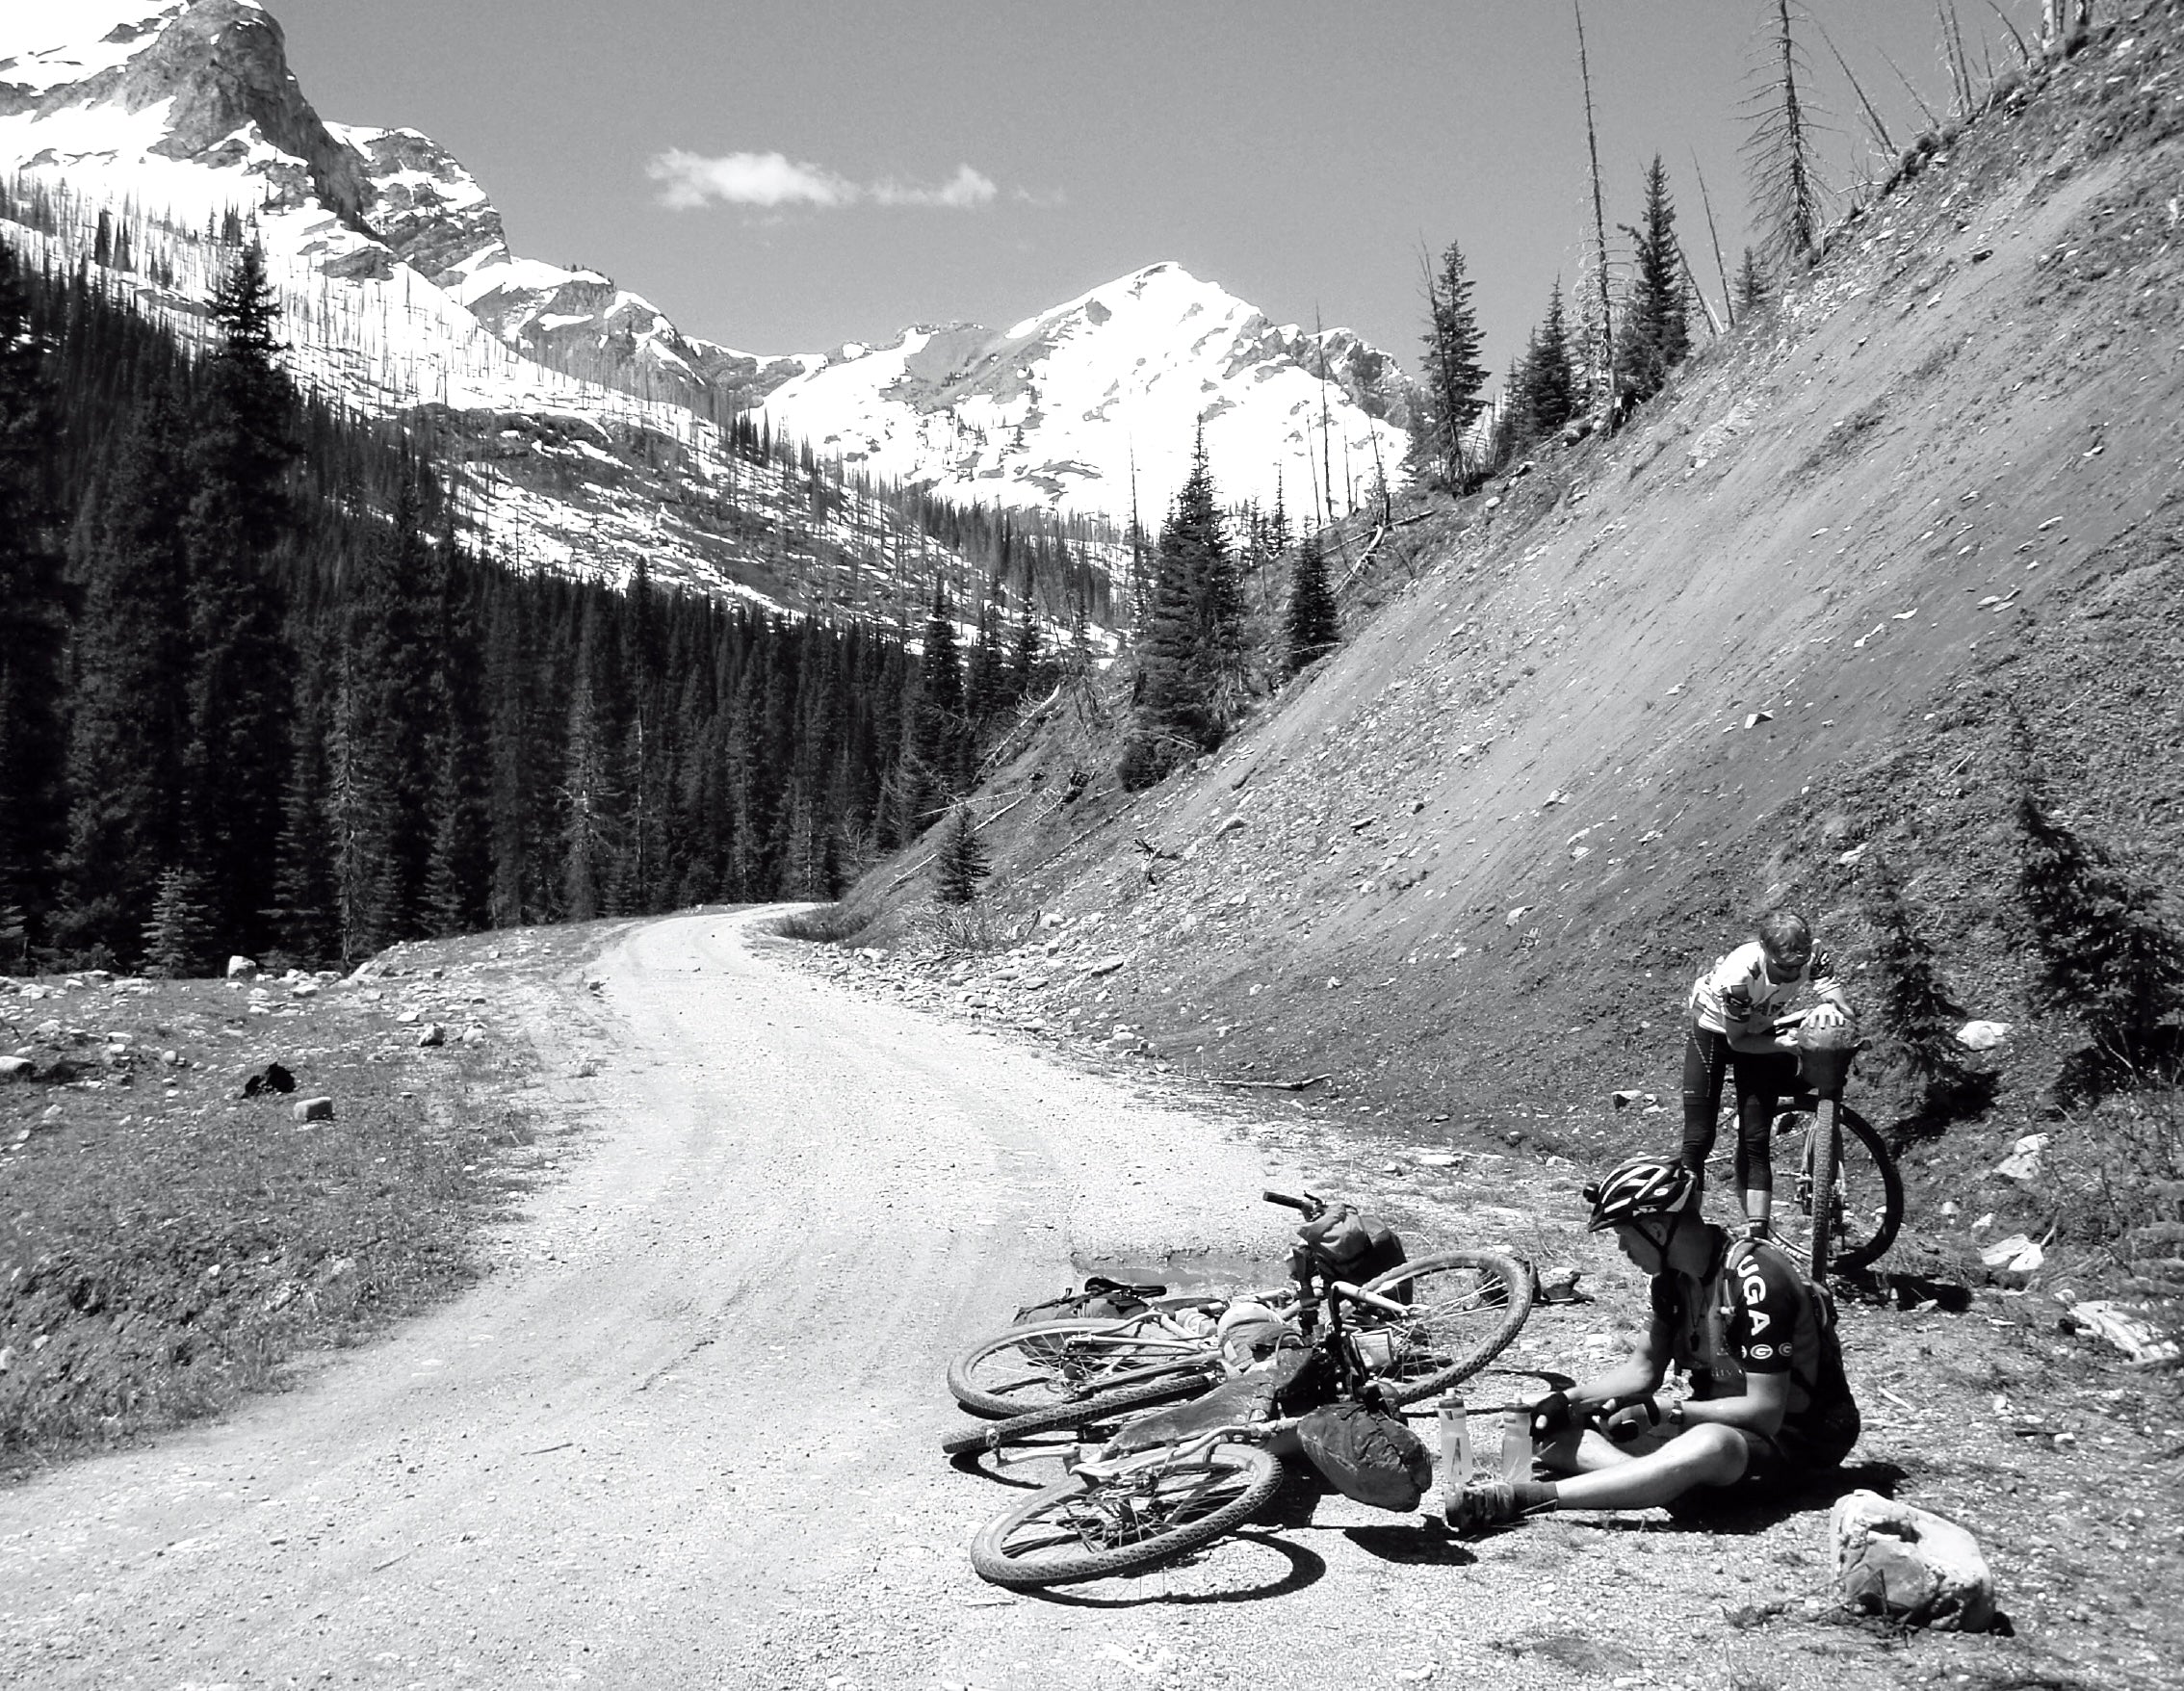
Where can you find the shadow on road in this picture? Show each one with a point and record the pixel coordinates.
(1305, 1569)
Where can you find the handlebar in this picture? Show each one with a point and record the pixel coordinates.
(1308, 1205)
(1372, 1300)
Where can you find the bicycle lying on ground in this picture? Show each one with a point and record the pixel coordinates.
(1174, 1478)
(1849, 1189)
(1431, 1322)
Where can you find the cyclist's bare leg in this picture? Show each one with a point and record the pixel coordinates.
(1605, 1476)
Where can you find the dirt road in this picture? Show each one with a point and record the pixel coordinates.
(686, 1436)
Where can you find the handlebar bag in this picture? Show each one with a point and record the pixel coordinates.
(1367, 1454)
(1355, 1246)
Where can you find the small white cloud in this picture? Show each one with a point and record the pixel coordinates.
(762, 179)
(965, 189)
(773, 181)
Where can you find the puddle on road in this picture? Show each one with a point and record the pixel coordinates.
(1187, 1271)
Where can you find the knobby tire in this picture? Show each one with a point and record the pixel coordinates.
(1088, 1529)
(1040, 1386)
(1829, 1251)
(1827, 1152)
(1502, 1297)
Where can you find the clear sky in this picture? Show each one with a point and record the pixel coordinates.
(789, 175)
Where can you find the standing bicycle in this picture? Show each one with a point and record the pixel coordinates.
(1849, 1190)
(1735, 1005)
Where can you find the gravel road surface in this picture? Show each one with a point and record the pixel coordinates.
(686, 1435)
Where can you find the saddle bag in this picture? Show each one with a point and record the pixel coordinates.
(1367, 1454)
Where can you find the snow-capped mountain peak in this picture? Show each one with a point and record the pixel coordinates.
(1095, 405)
(182, 119)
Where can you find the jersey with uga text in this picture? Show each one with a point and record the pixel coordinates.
(1754, 1315)
(1736, 986)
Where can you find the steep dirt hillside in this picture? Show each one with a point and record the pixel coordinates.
(1608, 709)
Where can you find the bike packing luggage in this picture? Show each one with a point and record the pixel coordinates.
(1367, 1454)
(1356, 1247)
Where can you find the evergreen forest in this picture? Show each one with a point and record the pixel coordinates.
(256, 697)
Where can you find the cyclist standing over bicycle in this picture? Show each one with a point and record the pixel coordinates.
(1733, 1006)
(1769, 1405)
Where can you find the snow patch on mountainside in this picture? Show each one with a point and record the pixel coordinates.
(157, 122)
(401, 294)
(1079, 406)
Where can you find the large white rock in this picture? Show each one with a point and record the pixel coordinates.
(1982, 1036)
(1896, 1560)
(241, 968)
(2023, 1163)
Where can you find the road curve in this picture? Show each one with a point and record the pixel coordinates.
(686, 1435)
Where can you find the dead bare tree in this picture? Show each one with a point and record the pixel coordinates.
(2024, 50)
(1787, 192)
(1956, 56)
(1691, 282)
(1933, 117)
(1880, 130)
(1603, 350)
(2063, 25)
(1713, 234)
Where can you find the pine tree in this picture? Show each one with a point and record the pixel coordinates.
(234, 768)
(2107, 954)
(1455, 380)
(303, 903)
(130, 723)
(1548, 386)
(1312, 627)
(1189, 661)
(178, 937)
(1655, 332)
(1788, 196)
(34, 613)
(984, 687)
(1916, 1015)
(1028, 655)
(1752, 288)
(960, 862)
(933, 753)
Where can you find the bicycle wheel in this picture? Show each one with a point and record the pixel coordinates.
(1014, 1429)
(1466, 1307)
(1086, 1530)
(1823, 1153)
(1866, 1209)
(1060, 1362)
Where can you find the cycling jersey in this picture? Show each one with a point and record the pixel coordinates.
(1756, 1313)
(1736, 986)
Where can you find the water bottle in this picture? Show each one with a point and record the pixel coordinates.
(1455, 1450)
(1516, 1445)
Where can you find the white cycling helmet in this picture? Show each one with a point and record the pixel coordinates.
(1640, 1188)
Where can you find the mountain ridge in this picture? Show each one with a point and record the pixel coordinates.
(126, 98)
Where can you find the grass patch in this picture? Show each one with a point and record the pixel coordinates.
(168, 1246)
(829, 925)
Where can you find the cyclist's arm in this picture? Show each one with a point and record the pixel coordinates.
(1760, 1409)
(1826, 982)
(1757, 1035)
(1639, 1374)
(1762, 1331)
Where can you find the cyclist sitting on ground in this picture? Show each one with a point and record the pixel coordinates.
(1734, 1006)
(1769, 1405)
